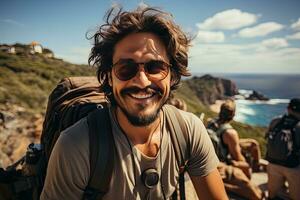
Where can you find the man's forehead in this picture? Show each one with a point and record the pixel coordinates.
(141, 43)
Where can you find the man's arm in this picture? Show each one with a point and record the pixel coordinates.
(231, 139)
(210, 186)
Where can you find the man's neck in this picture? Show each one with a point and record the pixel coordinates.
(147, 139)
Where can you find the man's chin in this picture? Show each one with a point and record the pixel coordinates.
(141, 118)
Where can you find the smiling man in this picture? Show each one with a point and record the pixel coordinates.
(140, 58)
(140, 95)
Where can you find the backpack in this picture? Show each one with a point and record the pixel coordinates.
(215, 132)
(281, 143)
(73, 99)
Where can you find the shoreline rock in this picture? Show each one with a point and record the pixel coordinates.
(257, 96)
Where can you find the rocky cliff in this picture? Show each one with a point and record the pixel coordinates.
(209, 89)
(18, 129)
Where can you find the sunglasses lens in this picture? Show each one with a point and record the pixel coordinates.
(126, 71)
(157, 70)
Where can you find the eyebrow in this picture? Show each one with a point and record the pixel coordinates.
(124, 60)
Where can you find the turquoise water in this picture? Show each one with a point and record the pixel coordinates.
(259, 112)
(279, 88)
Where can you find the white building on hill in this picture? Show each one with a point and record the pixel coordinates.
(35, 47)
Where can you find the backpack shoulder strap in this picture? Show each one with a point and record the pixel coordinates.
(178, 134)
(181, 144)
(223, 128)
(102, 150)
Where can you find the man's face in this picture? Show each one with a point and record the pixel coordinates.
(141, 97)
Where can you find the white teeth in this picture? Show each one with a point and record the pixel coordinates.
(141, 96)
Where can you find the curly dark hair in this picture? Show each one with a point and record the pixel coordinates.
(121, 23)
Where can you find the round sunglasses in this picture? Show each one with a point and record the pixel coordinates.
(126, 69)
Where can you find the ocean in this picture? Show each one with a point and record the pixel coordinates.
(279, 88)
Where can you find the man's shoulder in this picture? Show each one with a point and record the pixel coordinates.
(80, 126)
(230, 133)
(192, 124)
(230, 130)
(188, 117)
(191, 121)
(226, 129)
(77, 134)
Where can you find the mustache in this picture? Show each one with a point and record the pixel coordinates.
(148, 89)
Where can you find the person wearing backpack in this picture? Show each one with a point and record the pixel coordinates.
(283, 152)
(229, 147)
(140, 57)
(235, 171)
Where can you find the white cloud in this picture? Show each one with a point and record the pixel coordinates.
(295, 36)
(230, 58)
(296, 25)
(260, 30)
(228, 20)
(210, 37)
(13, 22)
(275, 43)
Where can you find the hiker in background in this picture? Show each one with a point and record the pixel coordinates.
(234, 169)
(283, 153)
(231, 145)
(140, 57)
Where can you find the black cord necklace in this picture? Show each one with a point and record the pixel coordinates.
(150, 176)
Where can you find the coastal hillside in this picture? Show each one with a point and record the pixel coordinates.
(27, 79)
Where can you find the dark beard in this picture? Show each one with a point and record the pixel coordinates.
(136, 120)
(141, 120)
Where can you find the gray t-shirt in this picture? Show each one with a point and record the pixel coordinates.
(69, 170)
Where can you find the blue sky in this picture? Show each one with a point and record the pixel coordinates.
(237, 36)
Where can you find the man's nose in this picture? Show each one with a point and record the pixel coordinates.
(141, 77)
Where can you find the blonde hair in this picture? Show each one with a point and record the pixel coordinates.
(227, 110)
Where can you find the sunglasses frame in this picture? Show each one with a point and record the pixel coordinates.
(149, 75)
